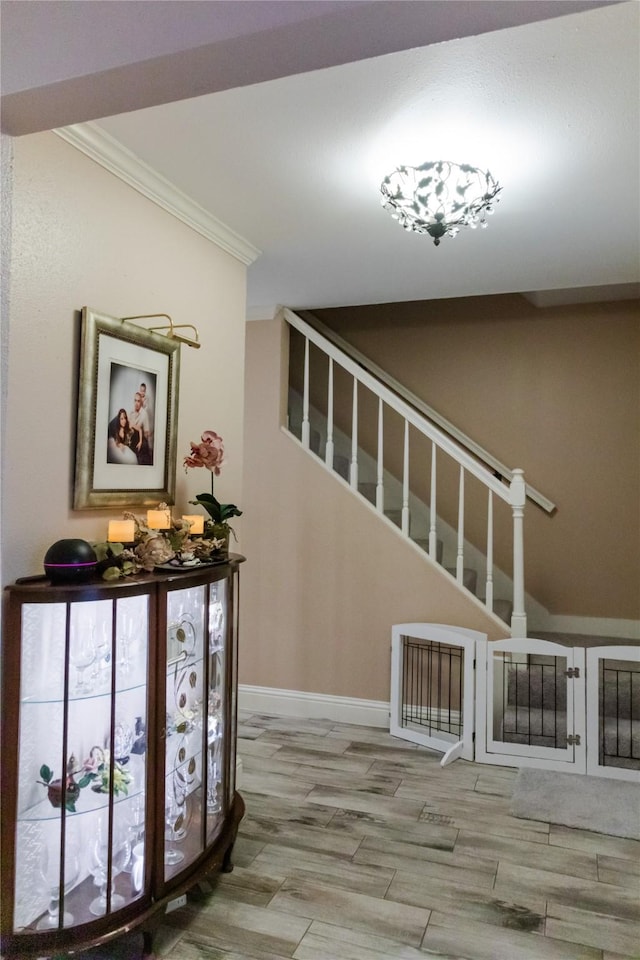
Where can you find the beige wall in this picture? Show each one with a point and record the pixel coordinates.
(555, 391)
(326, 577)
(82, 237)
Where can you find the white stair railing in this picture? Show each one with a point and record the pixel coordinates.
(512, 493)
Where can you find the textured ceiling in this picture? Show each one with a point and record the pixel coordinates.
(293, 163)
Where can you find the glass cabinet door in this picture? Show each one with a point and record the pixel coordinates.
(81, 764)
(196, 749)
(216, 706)
(185, 714)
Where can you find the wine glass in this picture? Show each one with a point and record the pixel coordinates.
(101, 671)
(173, 819)
(135, 820)
(50, 872)
(213, 784)
(99, 866)
(125, 640)
(82, 653)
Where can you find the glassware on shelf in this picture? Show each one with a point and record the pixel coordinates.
(101, 673)
(82, 654)
(136, 823)
(126, 639)
(49, 867)
(122, 741)
(174, 821)
(214, 804)
(99, 866)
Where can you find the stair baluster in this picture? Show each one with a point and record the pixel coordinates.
(405, 482)
(380, 470)
(489, 583)
(329, 448)
(460, 553)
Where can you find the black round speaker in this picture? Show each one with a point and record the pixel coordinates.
(70, 561)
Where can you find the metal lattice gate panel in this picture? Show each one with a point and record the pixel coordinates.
(432, 687)
(613, 729)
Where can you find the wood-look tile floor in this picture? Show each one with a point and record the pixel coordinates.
(358, 846)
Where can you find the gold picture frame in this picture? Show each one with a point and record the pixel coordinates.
(125, 446)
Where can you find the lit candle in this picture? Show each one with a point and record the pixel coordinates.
(196, 523)
(121, 531)
(159, 519)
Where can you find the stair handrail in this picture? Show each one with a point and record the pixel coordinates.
(401, 407)
(466, 442)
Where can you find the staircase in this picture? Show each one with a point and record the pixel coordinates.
(313, 396)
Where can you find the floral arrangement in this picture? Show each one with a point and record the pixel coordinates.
(152, 548)
(209, 453)
(95, 771)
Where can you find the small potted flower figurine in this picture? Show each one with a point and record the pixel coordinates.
(209, 453)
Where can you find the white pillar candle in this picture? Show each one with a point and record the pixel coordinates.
(196, 523)
(121, 531)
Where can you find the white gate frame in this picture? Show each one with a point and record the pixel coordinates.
(481, 696)
(488, 749)
(453, 637)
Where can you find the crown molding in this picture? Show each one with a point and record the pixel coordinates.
(100, 146)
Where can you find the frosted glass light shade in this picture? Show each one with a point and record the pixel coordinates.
(439, 197)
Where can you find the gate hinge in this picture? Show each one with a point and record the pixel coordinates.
(573, 740)
(572, 672)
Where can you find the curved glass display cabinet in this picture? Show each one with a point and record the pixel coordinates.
(119, 752)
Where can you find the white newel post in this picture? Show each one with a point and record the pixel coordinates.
(328, 450)
(305, 396)
(518, 495)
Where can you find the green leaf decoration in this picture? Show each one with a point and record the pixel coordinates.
(101, 550)
(85, 780)
(70, 806)
(112, 573)
(46, 773)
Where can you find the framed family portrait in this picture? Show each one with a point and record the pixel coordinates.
(127, 414)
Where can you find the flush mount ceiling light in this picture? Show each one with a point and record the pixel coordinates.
(439, 197)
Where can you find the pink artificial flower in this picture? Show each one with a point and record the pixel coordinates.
(209, 453)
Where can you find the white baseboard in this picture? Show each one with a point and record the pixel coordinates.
(313, 706)
(589, 626)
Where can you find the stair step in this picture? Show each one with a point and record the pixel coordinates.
(368, 490)
(502, 609)
(423, 543)
(341, 466)
(469, 577)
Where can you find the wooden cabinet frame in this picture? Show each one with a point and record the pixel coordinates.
(209, 678)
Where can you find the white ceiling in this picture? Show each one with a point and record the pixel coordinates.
(293, 163)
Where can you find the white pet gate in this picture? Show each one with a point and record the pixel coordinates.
(532, 702)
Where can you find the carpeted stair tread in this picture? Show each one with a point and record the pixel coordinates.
(423, 543)
(469, 577)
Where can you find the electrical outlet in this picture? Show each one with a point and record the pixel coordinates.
(176, 903)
